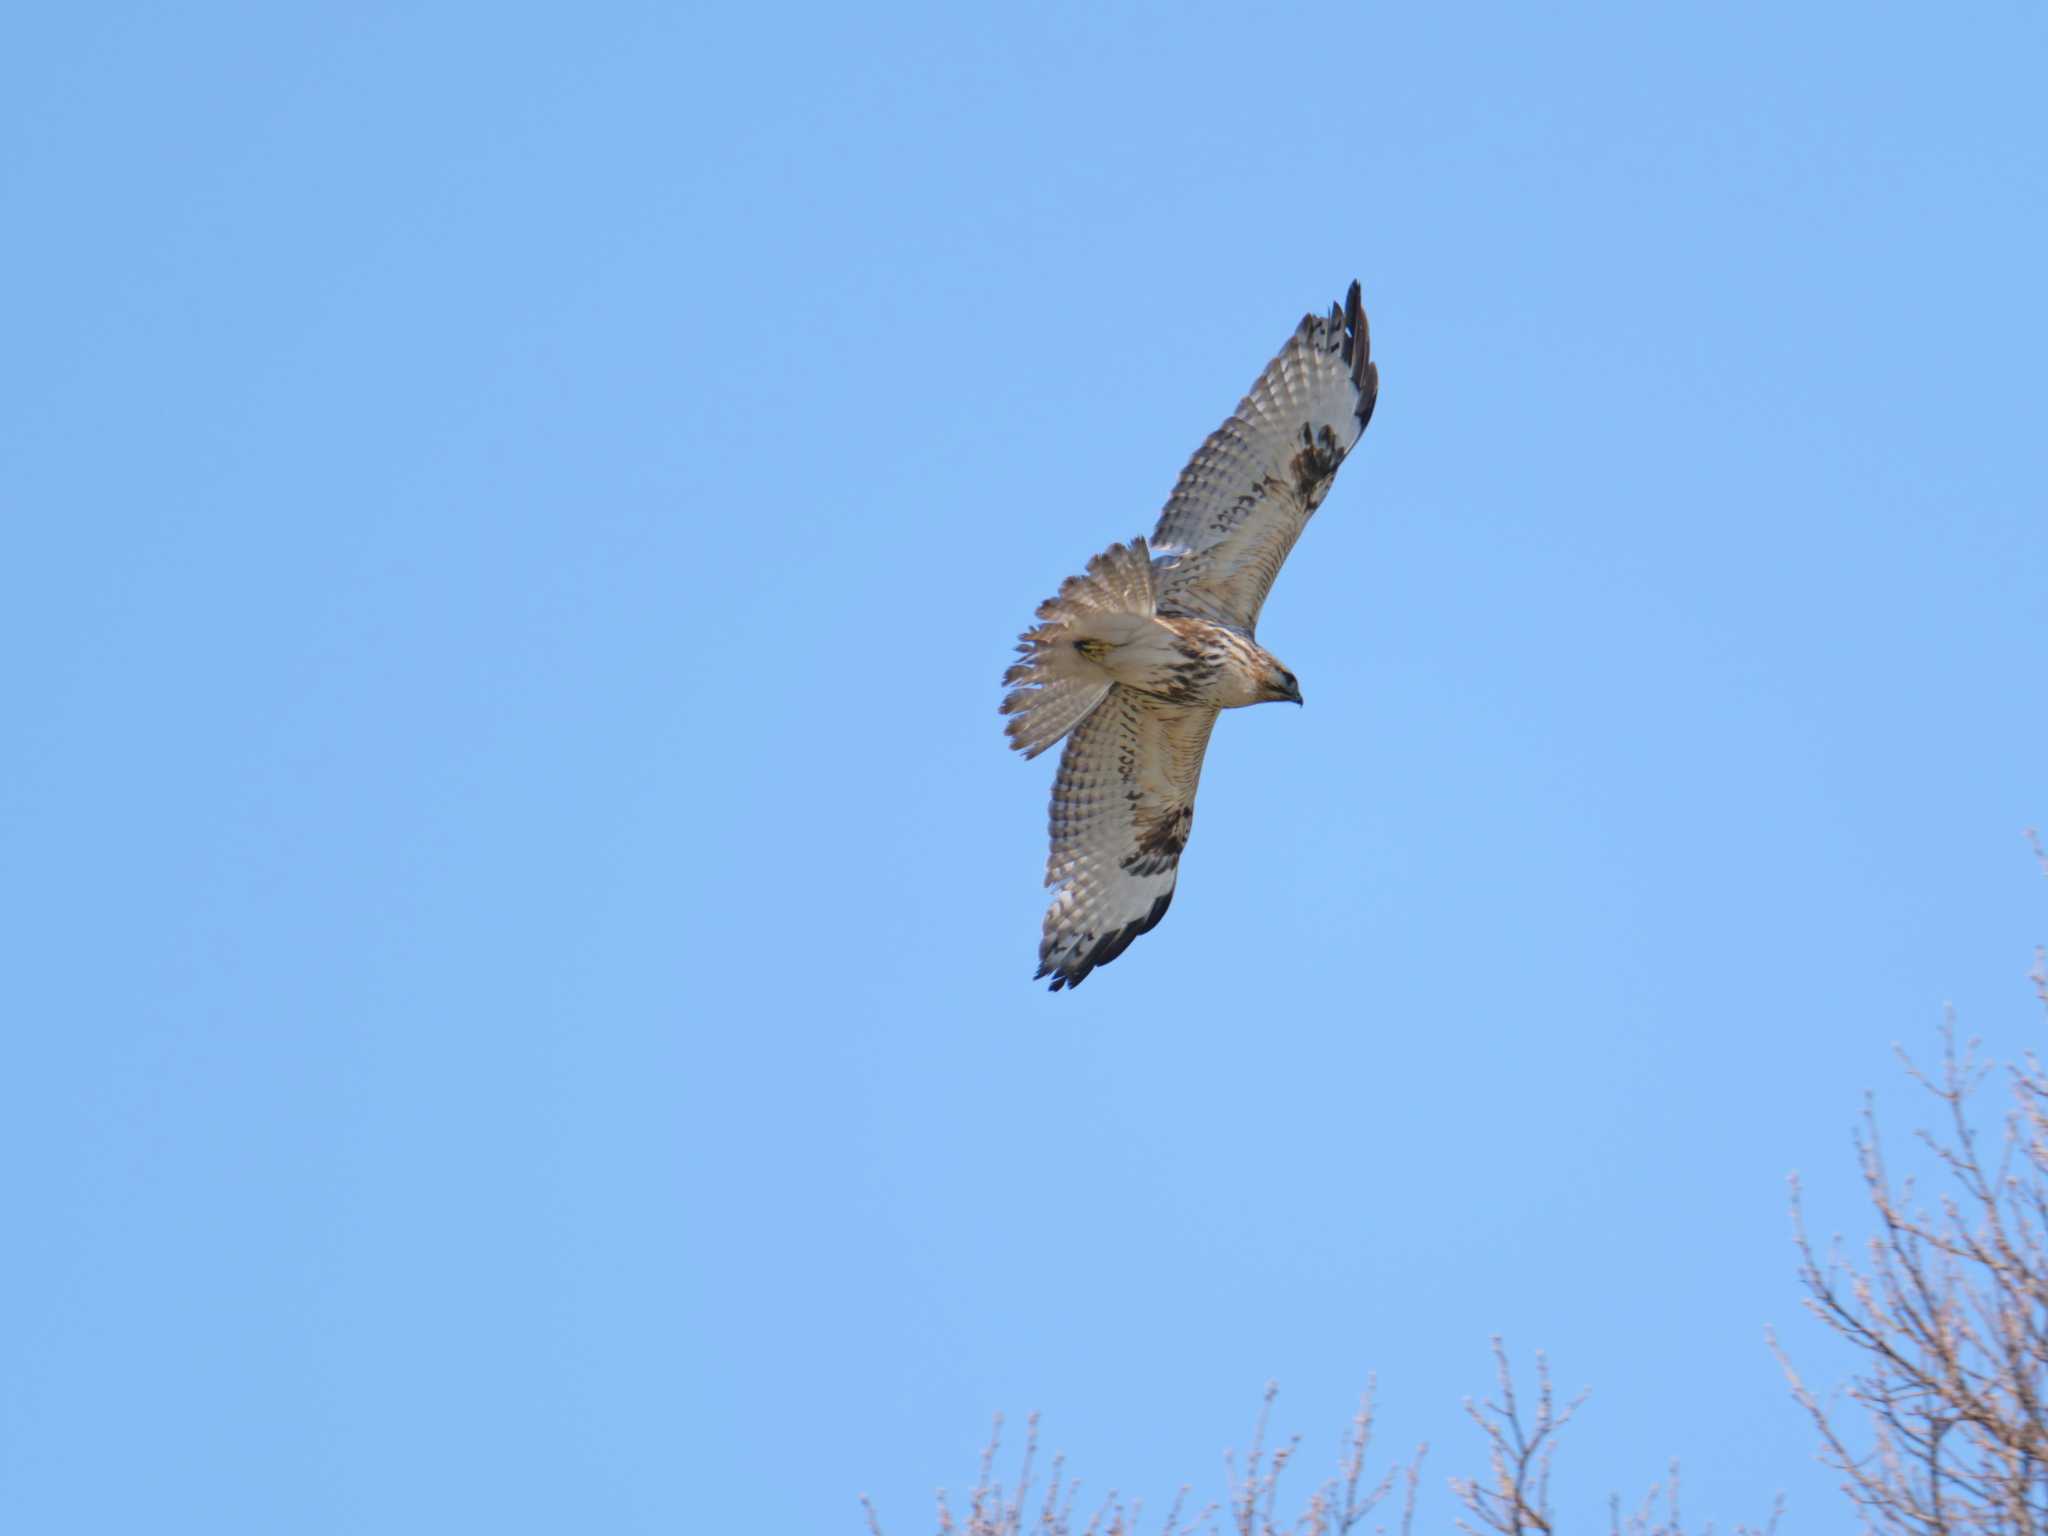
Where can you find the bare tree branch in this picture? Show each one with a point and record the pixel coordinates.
(1943, 1427)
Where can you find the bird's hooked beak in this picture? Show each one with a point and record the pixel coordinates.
(1290, 690)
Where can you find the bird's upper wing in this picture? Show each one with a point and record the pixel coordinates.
(1121, 809)
(1250, 489)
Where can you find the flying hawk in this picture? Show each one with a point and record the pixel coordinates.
(1131, 662)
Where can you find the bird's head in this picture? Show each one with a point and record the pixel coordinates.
(1281, 687)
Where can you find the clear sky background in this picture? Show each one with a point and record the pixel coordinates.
(518, 914)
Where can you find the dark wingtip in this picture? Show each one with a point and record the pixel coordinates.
(1065, 976)
(1158, 911)
(1358, 354)
(1074, 970)
(1357, 336)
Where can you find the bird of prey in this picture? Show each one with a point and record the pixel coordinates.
(1131, 661)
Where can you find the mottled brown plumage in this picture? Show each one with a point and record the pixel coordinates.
(1132, 660)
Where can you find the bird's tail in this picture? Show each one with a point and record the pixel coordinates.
(1058, 683)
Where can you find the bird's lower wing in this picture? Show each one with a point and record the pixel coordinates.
(1122, 807)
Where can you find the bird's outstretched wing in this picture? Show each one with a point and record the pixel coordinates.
(1121, 810)
(1250, 489)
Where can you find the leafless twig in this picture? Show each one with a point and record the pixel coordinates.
(1947, 1311)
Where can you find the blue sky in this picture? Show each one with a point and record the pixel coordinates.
(520, 915)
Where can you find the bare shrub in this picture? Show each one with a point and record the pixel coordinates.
(1658, 1514)
(1514, 1500)
(1946, 1424)
(1335, 1508)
